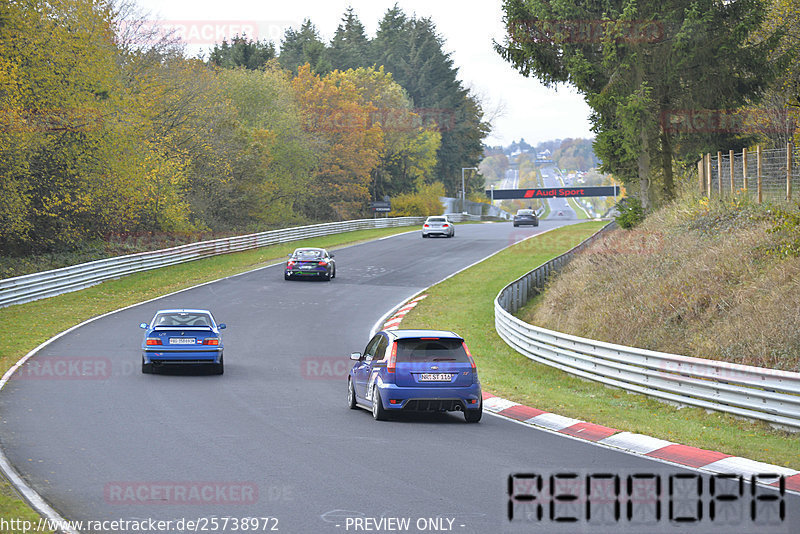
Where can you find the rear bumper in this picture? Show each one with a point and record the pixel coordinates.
(436, 231)
(182, 357)
(426, 399)
(320, 271)
(527, 221)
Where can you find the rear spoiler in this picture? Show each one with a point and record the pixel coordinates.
(187, 327)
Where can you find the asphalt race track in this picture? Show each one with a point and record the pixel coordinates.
(558, 204)
(272, 437)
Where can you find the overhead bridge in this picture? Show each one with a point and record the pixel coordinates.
(554, 192)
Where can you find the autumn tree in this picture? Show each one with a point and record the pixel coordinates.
(337, 118)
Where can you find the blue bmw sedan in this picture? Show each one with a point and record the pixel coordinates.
(177, 337)
(415, 370)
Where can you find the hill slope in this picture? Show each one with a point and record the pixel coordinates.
(717, 280)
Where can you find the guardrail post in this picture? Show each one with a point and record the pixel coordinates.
(708, 173)
(719, 171)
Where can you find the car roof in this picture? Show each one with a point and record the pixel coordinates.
(315, 249)
(412, 334)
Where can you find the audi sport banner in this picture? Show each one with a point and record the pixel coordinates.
(552, 192)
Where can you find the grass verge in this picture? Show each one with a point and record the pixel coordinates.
(56, 314)
(578, 209)
(470, 312)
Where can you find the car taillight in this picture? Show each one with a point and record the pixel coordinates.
(153, 341)
(211, 341)
(290, 264)
(445, 225)
(469, 355)
(323, 263)
(390, 365)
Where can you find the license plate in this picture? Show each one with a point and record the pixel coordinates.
(181, 341)
(306, 266)
(435, 377)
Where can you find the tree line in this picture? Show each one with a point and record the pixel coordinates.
(666, 81)
(106, 126)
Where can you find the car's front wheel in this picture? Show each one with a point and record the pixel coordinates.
(147, 368)
(378, 411)
(473, 416)
(351, 395)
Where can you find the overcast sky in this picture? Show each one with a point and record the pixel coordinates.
(527, 109)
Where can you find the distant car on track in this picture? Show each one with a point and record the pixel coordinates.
(415, 370)
(177, 337)
(526, 216)
(438, 225)
(310, 262)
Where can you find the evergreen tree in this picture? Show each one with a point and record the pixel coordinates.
(349, 48)
(638, 62)
(414, 53)
(242, 52)
(391, 45)
(304, 46)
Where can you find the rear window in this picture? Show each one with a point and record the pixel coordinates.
(525, 212)
(431, 350)
(308, 254)
(437, 219)
(182, 319)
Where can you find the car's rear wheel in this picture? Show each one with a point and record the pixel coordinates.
(351, 395)
(473, 416)
(424, 236)
(220, 367)
(287, 276)
(147, 368)
(378, 411)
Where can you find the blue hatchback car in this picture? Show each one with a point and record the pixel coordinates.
(415, 370)
(178, 337)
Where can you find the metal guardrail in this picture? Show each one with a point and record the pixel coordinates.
(30, 287)
(462, 217)
(752, 392)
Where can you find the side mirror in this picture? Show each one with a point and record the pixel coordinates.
(355, 356)
(332, 255)
(143, 326)
(222, 326)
